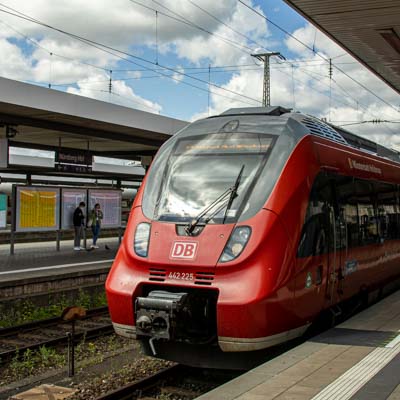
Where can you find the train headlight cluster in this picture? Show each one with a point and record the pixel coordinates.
(141, 241)
(236, 243)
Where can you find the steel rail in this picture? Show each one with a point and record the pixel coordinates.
(6, 333)
(127, 391)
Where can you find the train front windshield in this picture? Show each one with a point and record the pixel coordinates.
(201, 171)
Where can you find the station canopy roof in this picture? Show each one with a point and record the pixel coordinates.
(368, 29)
(45, 118)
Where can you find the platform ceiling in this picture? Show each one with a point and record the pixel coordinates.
(367, 29)
(46, 118)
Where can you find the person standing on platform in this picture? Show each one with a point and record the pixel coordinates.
(95, 222)
(79, 222)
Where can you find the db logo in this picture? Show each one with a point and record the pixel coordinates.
(185, 250)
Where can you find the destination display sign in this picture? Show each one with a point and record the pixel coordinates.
(110, 204)
(225, 146)
(70, 199)
(37, 208)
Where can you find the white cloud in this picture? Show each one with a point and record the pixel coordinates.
(339, 100)
(178, 76)
(13, 63)
(131, 28)
(97, 87)
(123, 25)
(218, 52)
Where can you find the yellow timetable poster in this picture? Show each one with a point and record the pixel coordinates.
(37, 209)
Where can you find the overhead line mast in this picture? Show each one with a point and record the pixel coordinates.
(264, 57)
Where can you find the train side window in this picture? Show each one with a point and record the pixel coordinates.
(351, 218)
(368, 221)
(387, 210)
(315, 233)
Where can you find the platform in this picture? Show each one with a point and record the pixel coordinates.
(38, 258)
(38, 268)
(357, 360)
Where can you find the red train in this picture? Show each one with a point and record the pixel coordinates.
(247, 226)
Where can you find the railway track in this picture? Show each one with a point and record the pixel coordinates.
(178, 382)
(50, 332)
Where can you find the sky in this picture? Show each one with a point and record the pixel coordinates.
(189, 59)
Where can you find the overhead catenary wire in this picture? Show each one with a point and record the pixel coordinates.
(156, 37)
(106, 68)
(312, 62)
(50, 52)
(171, 77)
(146, 69)
(228, 26)
(157, 76)
(373, 121)
(168, 9)
(292, 61)
(161, 69)
(117, 53)
(315, 90)
(318, 54)
(348, 95)
(183, 20)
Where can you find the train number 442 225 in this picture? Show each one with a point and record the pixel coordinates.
(181, 276)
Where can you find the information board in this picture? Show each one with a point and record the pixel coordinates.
(70, 199)
(110, 204)
(3, 211)
(37, 208)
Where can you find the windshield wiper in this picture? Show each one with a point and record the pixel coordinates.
(232, 192)
(190, 227)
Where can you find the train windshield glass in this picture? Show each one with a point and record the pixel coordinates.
(200, 169)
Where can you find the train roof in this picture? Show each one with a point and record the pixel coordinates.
(317, 127)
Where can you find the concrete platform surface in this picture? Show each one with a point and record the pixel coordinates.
(38, 270)
(357, 360)
(30, 257)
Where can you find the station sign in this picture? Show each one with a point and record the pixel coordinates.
(74, 161)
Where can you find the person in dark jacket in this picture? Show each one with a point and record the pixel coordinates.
(79, 222)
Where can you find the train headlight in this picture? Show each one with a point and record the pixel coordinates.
(141, 242)
(236, 243)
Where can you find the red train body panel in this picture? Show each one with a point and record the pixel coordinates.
(276, 287)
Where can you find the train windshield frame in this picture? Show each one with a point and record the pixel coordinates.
(200, 168)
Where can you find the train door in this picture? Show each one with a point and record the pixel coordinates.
(317, 255)
(338, 240)
(333, 274)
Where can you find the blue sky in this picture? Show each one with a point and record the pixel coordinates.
(35, 54)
